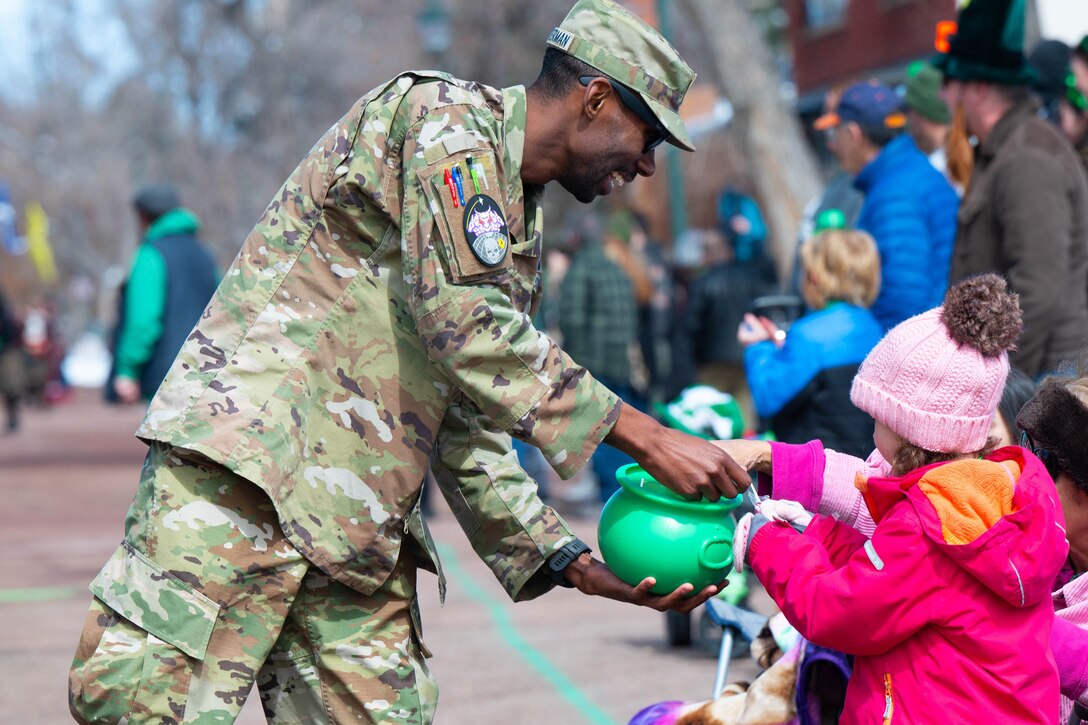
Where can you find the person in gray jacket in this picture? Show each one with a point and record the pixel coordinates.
(1025, 213)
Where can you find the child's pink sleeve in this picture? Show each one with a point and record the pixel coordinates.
(841, 497)
(797, 473)
(822, 480)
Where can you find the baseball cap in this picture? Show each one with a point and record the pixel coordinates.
(869, 104)
(623, 47)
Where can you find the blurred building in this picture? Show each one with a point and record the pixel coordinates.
(837, 41)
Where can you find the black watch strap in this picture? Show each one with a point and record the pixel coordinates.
(560, 560)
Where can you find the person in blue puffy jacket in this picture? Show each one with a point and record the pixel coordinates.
(800, 381)
(909, 209)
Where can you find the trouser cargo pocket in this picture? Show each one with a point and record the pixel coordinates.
(145, 632)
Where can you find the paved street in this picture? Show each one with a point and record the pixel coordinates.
(67, 478)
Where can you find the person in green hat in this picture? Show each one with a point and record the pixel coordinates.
(928, 118)
(376, 323)
(1025, 211)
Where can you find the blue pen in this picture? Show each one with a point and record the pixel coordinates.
(458, 184)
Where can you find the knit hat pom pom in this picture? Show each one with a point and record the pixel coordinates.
(980, 312)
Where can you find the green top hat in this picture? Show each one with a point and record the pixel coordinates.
(618, 43)
(988, 45)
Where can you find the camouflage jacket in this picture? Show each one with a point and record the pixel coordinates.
(358, 337)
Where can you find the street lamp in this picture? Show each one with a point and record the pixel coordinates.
(433, 24)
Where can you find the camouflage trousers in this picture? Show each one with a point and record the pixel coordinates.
(205, 596)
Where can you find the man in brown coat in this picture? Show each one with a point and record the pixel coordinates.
(1025, 213)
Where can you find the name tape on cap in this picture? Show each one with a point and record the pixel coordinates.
(560, 39)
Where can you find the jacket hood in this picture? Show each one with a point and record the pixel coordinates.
(174, 222)
(998, 519)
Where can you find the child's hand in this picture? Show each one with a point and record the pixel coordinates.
(751, 330)
(746, 530)
(740, 542)
(774, 333)
(789, 512)
(757, 329)
(785, 512)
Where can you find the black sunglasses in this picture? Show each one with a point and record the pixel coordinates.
(633, 101)
(1053, 467)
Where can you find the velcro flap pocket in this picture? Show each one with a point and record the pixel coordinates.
(155, 600)
(474, 236)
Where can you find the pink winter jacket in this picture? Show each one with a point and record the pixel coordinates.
(822, 480)
(947, 607)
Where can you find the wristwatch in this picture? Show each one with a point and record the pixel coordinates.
(560, 560)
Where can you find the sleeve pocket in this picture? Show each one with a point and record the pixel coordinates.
(471, 257)
(155, 600)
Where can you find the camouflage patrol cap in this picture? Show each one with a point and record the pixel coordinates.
(623, 47)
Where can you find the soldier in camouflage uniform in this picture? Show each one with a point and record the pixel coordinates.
(372, 326)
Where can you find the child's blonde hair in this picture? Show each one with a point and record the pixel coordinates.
(840, 265)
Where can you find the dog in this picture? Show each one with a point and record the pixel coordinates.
(769, 700)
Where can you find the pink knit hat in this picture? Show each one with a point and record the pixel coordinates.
(936, 379)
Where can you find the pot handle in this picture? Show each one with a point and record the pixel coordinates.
(716, 563)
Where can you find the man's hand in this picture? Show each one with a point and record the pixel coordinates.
(753, 455)
(690, 466)
(593, 577)
(127, 389)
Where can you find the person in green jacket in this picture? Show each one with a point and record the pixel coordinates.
(172, 278)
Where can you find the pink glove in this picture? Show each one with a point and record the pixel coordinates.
(789, 512)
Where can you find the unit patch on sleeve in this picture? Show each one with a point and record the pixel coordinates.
(485, 230)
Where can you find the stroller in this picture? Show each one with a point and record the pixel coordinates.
(736, 624)
(819, 675)
(806, 685)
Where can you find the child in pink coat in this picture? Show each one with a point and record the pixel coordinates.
(947, 606)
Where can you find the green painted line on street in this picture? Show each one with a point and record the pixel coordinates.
(37, 594)
(566, 689)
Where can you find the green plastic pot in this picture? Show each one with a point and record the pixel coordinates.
(647, 530)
